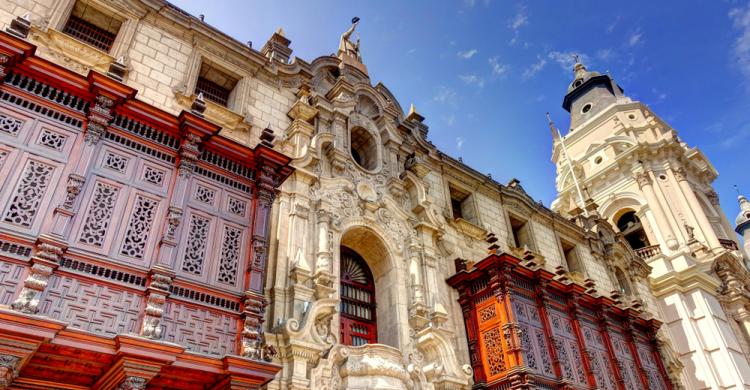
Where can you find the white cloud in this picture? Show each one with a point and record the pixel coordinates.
(498, 68)
(741, 52)
(472, 79)
(659, 96)
(411, 51)
(605, 54)
(534, 68)
(611, 27)
(459, 143)
(467, 54)
(520, 20)
(444, 95)
(449, 119)
(635, 38)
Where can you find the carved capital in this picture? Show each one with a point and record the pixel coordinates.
(157, 293)
(680, 173)
(99, 116)
(9, 367)
(174, 217)
(253, 340)
(33, 287)
(642, 178)
(133, 383)
(73, 188)
(189, 154)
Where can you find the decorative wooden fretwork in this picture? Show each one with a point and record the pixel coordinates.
(14, 249)
(197, 242)
(236, 206)
(231, 247)
(10, 125)
(47, 92)
(52, 140)
(147, 132)
(358, 320)
(39, 109)
(153, 176)
(99, 214)
(24, 204)
(202, 297)
(115, 162)
(227, 164)
(553, 332)
(139, 226)
(493, 345)
(222, 179)
(205, 195)
(139, 147)
(102, 272)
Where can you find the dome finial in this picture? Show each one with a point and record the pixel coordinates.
(579, 69)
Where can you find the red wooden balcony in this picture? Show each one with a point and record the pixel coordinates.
(526, 330)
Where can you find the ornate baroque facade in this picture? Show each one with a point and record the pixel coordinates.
(657, 190)
(359, 240)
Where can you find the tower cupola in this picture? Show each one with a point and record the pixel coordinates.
(589, 93)
(743, 218)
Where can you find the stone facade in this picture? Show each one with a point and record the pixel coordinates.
(658, 191)
(366, 179)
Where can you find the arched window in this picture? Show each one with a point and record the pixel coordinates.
(358, 323)
(631, 227)
(623, 282)
(364, 149)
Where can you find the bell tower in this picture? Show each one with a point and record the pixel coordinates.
(657, 191)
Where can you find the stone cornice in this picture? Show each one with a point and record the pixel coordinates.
(694, 277)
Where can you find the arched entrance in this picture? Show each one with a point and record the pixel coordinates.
(358, 308)
(365, 256)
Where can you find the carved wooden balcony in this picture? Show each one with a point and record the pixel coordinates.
(526, 330)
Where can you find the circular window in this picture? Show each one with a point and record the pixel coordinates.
(598, 160)
(663, 177)
(631, 116)
(586, 108)
(578, 83)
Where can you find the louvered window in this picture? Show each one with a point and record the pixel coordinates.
(358, 322)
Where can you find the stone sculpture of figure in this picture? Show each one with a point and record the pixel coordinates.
(346, 45)
(690, 231)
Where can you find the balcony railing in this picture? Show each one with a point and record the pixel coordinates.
(729, 244)
(648, 252)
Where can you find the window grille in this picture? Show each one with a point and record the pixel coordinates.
(84, 31)
(358, 322)
(212, 91)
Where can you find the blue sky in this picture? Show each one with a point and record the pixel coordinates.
(484, 72)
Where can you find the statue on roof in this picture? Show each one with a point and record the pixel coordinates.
(346, 45)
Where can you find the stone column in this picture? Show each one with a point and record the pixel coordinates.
(418, 311)
(697, 211)
(324, 255)
(646, 186)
